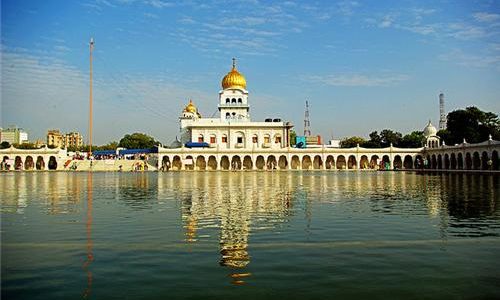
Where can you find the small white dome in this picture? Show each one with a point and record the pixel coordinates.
(430, 130)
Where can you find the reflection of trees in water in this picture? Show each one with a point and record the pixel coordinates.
(471, 196)
(137, 190)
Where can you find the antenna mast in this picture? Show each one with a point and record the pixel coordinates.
(442, 114)
(91, 48)
(307, 123)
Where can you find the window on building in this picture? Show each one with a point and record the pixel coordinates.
(277, 139)
(234, 114)
(233, 100)
(239, 100)
(200, 138)
(212, 140)
(224, 139)
(239, 140)
(228, 115)
(255, 139)
(267, 139)
(227, 100)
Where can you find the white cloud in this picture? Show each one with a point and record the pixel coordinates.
(386, 21)
(486, 17)
(150, 15)
(39, 93)
(352, 80)
(461, 58)
(159, 3)
(463, 31)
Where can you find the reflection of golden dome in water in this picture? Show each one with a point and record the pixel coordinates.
(235, 256)
(234, 79)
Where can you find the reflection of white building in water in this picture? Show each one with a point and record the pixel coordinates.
(234, 128)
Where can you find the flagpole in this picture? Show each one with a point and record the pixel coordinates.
(91, 48)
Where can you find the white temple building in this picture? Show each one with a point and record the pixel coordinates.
(234, 128)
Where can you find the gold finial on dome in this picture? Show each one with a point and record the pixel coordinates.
(234, 79)
(191, 108)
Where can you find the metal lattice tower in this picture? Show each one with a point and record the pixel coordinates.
(307, 123)
(442, 114)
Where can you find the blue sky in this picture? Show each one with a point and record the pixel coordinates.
(362, 65)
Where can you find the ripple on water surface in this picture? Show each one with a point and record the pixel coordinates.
(249, 234)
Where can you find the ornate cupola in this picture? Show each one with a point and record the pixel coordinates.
(234, 79)
(233, 98)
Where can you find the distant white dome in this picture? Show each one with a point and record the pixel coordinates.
(430, 130)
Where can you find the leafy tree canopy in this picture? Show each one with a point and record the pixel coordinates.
(352, 142)
(137, 141)
(4, 145)
(472, 124)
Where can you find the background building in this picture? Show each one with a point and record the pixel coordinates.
(13, 135)
(56, 138)
(73, 139)
(234, 128)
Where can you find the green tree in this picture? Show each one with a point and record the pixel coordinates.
(472, 124)
(389, 137)
(412, 140)
(374, 142)
(293, 137)
(352, 142)
(4, 145)
(137, 141)
(25, 146)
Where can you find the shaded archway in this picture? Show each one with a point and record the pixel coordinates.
(476, 161)
(235, 163)
(460, 161)
(282, 162)
(317, 162)
(40, 163)
(224, 163)
(29, 164)
(271, 162)
(439, 161)
(18, 163)
(434, 161)
(419, 162)
(363, 162)
(201, 164)
(341, 163)
(351, 162)
(330, 162)
(176, 163)
(446, 162)
(428, 162)
(260, 162)
(374, 161)
(189, 163)
(386, 162)
(52, 163)
(484, 161)
(398, 162)
(212, 163)
(408, 162)
(453, 161)
(295, 163)
(247, 162)
(468, 161)
(165, 163)
(306, 162)
(494, 160)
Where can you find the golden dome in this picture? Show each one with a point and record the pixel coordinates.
(234, 79)
(190, 107)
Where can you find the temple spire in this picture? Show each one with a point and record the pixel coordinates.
(234, 63)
